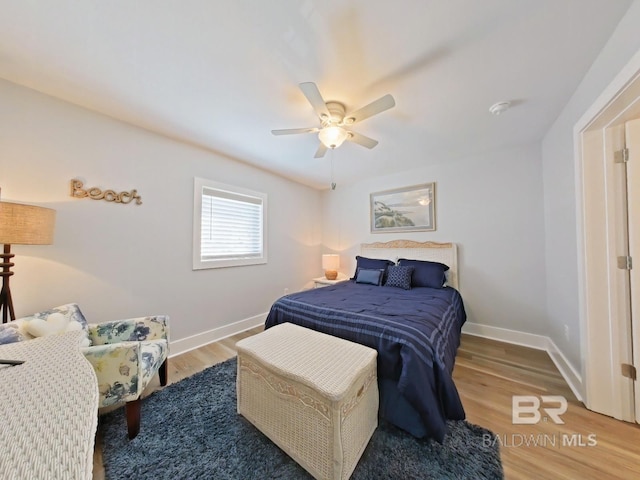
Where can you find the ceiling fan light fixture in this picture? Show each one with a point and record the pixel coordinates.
(333, 137)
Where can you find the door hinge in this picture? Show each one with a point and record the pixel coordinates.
(628, 371)
(625, 263)
(621, 156)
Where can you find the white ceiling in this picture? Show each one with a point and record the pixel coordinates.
(222, 74)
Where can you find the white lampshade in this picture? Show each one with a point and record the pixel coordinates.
(330, 261)
(330, 264)
(333, 137)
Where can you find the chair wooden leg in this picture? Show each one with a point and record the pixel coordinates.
(164, 372)
(132, 410)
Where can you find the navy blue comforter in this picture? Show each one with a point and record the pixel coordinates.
(415, 332)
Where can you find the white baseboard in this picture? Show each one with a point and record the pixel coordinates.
(539, 342)
(505, 335)
(572, 377)
(195, 341)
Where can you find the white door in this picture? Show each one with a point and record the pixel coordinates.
(632, 138)
(618, 288)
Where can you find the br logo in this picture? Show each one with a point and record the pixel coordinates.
(526, 408)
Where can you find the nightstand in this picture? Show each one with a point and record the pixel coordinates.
(323, 282)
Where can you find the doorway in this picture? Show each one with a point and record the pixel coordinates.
(608, 199)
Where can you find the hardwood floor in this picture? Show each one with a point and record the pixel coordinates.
(488, 373)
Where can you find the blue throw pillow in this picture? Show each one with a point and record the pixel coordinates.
(369, 276)
(426, 274)
(399, 277)
(371, 263)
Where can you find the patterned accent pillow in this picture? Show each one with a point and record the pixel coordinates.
(399, 277)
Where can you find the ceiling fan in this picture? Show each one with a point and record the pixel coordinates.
(335, 124)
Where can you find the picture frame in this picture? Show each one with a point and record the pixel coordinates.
(407, 209)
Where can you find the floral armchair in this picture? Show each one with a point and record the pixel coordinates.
(125, 354)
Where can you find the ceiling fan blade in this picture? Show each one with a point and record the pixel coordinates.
(361, 140)
(312, 93)
(290, 131)
(322, 149)
(375, 107)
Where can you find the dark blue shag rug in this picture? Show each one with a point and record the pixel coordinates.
(190, 430)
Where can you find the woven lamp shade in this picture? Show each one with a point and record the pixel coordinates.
(26, 224)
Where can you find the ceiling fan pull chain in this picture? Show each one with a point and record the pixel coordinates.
(333, 184)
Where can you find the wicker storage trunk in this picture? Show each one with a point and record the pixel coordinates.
(313, 395)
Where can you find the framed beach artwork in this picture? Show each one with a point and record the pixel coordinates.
(408, 209)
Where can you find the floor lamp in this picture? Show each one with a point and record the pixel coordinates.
(20, 225)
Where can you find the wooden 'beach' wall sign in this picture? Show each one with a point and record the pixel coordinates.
(96, 193)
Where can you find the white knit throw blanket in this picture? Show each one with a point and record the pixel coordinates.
(48, 410)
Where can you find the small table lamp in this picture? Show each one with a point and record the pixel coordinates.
(330, 264)
(21, 225)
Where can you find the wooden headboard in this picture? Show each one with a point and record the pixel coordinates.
(446, 253)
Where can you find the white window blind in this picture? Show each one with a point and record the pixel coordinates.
(231, 226)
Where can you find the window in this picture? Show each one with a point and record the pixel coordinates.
(229, 226)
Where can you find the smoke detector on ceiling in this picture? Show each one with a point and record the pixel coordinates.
(498, 108)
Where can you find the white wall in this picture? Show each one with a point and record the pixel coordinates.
(119, 261)
(559, 187)
(490, 205)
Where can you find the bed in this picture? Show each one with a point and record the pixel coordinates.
(416, 333)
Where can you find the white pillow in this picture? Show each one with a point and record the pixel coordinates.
(54, 323)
